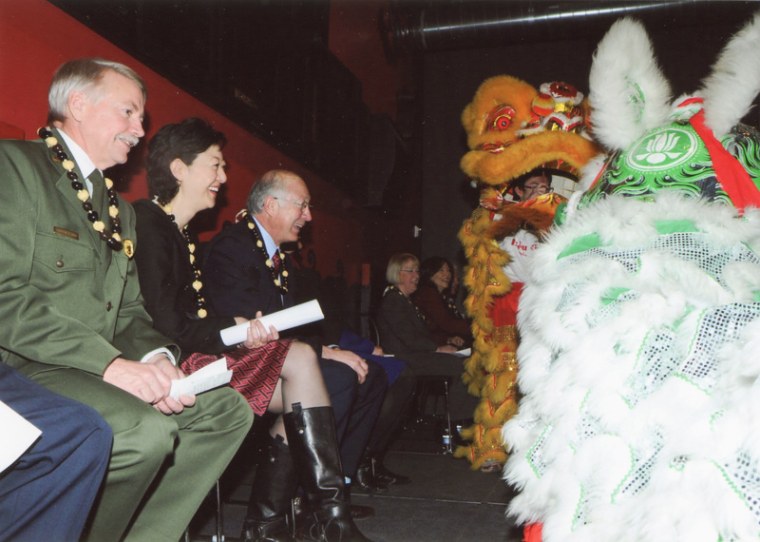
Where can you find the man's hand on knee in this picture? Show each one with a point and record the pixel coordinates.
(149, 381)
(169, 405)
(356, 362)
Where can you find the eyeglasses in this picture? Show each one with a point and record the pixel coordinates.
(542, 188)
(303, 205)
(411, 270)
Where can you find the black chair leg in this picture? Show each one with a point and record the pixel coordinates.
(219, 514)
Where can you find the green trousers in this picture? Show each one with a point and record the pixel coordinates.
(161, 466)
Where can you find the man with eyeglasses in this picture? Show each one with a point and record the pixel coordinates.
(245, 272)
(533, 184)
(521, 244)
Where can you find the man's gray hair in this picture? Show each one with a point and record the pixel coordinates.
(272, 182)
(82, 75)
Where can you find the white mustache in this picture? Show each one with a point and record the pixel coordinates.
(130, 140)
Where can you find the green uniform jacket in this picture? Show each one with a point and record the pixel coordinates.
(65, 298)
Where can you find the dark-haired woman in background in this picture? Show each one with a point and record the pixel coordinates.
(433, 298)
(185, 173)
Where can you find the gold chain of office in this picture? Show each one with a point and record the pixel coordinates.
(197, 284)
(112, 238)
(280, 280)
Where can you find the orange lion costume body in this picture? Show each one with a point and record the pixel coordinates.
(512, 129)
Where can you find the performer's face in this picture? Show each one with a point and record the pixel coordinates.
(534, 186)
(110, 119)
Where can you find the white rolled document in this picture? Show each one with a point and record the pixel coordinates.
(295, 316)
(211, 376)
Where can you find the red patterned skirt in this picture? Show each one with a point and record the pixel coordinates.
(255, 371)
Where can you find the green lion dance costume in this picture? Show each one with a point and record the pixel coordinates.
(639, 358)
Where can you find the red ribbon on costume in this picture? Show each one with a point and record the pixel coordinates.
(532, 532)
(730, 173)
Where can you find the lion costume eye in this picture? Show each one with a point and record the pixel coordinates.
(500, 119)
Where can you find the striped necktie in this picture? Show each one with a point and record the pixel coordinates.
(277, 262)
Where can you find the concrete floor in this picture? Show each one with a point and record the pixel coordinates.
(446, 501)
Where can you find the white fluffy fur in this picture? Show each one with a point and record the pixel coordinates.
(575, 368)
(623, 65)
(578, 355)
(734, 81)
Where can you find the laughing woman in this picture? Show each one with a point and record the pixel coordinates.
(185, 172)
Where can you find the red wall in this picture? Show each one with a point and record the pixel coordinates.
(36, 37)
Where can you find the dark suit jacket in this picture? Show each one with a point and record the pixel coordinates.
(165, 279)
(402, 332)
(237, 280)
(65, 297)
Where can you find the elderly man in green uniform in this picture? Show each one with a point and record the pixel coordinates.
(72, 315)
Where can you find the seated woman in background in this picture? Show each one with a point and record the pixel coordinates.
(185, 173)
(404, 333)
(433, 298)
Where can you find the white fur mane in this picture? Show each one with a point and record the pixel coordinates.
(735, 80)
(628, 92)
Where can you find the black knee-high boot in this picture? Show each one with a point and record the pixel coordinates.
(314, 449)
(274, 485)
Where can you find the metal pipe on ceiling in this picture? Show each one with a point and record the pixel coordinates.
(471, 24)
